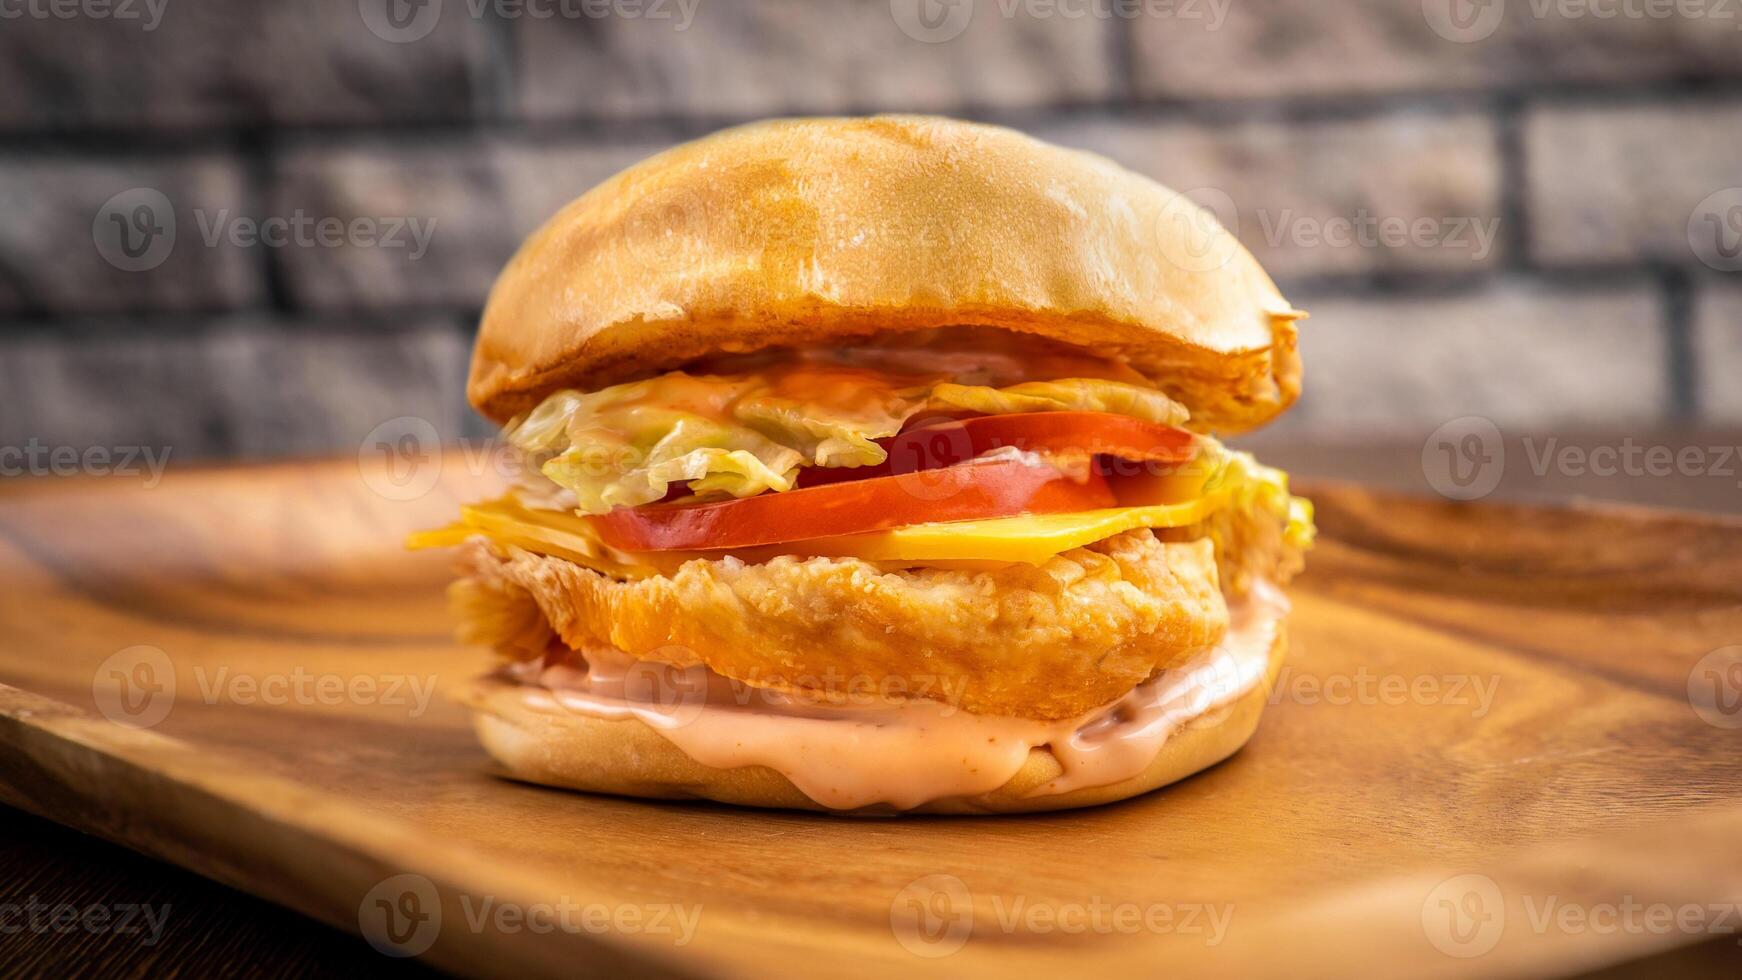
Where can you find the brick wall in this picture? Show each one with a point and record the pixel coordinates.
(1526, 210)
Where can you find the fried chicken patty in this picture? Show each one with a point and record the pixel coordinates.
(1050, 641)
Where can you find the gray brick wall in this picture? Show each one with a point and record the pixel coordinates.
(1718, 348)
(1535, 218)
(55, 210)
(232, 386)
(1522, 353)
(243, 65)
(786, 57)
(1284, 49)
(1332, 198)
(1619, 184)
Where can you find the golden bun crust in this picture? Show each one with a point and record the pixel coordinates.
(629, 758)
(812, 231)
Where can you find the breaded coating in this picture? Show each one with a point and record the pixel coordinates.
(1048, 642)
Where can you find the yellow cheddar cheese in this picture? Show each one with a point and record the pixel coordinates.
(1030, 538)
(991, 543)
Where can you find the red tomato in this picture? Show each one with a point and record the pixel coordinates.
(969, 491)
(1071, 435)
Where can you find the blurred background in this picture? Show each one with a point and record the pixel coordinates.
(260, 228)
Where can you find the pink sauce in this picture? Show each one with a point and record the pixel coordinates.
(906, 752)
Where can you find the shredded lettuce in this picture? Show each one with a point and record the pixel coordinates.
(626, 445)
(831, 431)
(1258, 487)
(1262, 531)
(1067, 395)
(638, 465)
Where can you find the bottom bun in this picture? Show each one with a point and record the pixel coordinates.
(629, 758)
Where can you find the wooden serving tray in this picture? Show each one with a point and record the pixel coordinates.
(1491, 716)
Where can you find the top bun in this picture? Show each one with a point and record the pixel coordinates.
(819, 231)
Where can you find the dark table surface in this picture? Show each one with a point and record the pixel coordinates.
(209, 930)
(203, 928)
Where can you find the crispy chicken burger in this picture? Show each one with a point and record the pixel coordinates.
(870, 465)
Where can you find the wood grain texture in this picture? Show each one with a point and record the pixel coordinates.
(202, 929)
(1583, 775)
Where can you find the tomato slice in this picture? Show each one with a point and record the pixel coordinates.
(947, 442)
(933, 473)
(1058, 433)
(968, 491)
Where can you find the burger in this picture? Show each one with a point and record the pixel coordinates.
(873, 466)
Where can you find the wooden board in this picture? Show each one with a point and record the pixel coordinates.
(1485, 722)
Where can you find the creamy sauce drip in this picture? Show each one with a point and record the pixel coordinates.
(907, 752)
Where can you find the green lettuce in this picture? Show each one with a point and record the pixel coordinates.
(1262, 531)
(736, 436)
(1067, 395)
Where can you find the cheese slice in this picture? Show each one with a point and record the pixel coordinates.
(561, 534)
(990, 543)
(1030, 538)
